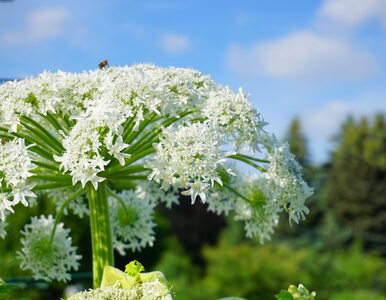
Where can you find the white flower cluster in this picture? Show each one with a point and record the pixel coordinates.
(132, 221)
(188, 157)
(48, 260)
(101, 104)
(234, 116)
(284, 183)
(153, 290)
(261, 199)
(15, 166)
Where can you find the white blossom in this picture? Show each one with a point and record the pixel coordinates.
(115, 149)
(284, 183)
(188, 157)
(15, 167)
(233, 115)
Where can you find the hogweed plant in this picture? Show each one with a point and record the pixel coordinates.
(113, 143)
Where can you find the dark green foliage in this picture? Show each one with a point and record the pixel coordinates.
(297, 142)
(356, 190)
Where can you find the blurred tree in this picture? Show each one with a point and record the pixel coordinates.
(356, 191)
(298, 142)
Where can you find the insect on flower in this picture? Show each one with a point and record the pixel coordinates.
(103, 64)
(4, 141)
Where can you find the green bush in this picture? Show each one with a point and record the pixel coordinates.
(358, 295)
(244, 269)
(252, 272)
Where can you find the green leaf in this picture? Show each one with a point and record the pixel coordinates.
(112, 276)
(284, 295)
(5, 288)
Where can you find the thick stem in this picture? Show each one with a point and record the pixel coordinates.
(102, 247)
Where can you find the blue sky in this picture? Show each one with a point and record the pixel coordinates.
(318, 60)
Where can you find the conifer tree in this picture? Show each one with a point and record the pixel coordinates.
(356, 191)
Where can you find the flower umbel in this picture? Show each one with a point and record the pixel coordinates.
(116, 129)
(47, 259)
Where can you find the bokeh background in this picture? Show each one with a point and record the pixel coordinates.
(315, 70)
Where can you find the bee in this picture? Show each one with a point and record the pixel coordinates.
(103, 64)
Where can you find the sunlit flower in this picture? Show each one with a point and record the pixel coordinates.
(188, 157)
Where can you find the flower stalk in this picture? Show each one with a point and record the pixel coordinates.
(102, 249)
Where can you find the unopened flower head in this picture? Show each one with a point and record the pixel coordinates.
(47, 259)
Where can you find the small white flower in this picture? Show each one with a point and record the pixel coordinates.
(5, 206)
(116, 149)
(47, 260)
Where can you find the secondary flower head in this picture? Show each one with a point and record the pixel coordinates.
(283, 181)
(132, 221)
(48, 260)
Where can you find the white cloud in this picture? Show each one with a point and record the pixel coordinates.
(175, 44)
(322, 123)
(303, 55)
(40, 25)
(353, 12)
(325, 121)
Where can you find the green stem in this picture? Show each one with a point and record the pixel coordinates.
(247, 161)
(120, 200)
(237, 193)
(252, 158)
(102, 247)
(61, 210)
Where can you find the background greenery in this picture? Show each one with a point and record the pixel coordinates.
(339, 250)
